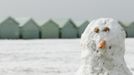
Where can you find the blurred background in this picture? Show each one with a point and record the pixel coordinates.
(75, 9)
(33, 19)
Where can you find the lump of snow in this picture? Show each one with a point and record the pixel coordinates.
(103, 43)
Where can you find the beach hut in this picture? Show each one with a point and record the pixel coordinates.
(30, 30)
(50, 30)
(82, 27)
(130, 30)
(69, 30)
(9, 29)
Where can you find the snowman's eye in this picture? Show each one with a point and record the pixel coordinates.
(106, 29)
(96, 30)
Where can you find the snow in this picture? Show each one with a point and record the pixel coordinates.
(46, 57)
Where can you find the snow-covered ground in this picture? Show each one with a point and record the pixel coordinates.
(46, 57)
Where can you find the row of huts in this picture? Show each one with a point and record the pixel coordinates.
(30, 29)
(11, 29)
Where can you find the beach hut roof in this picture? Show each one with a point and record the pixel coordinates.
(51, 21)
(70, 21)
(30, 21)
(9, 19)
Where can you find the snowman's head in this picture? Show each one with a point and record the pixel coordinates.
(103, 35)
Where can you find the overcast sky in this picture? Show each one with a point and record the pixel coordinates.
(75, 9)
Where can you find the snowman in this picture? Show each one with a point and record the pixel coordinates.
(103, 49)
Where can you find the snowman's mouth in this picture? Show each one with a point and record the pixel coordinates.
(101, 51)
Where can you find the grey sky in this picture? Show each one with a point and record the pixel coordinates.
(75, 9)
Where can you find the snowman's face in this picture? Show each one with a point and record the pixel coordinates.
(104, 35)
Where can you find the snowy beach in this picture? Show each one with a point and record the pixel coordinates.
(46, 57)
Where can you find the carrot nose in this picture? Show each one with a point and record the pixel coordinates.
(102, 44)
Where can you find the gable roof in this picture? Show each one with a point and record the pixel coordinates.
(51, 21)
(71, 22)
(32, 22)
(10, 18)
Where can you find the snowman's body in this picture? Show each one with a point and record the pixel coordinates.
(103, 43)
